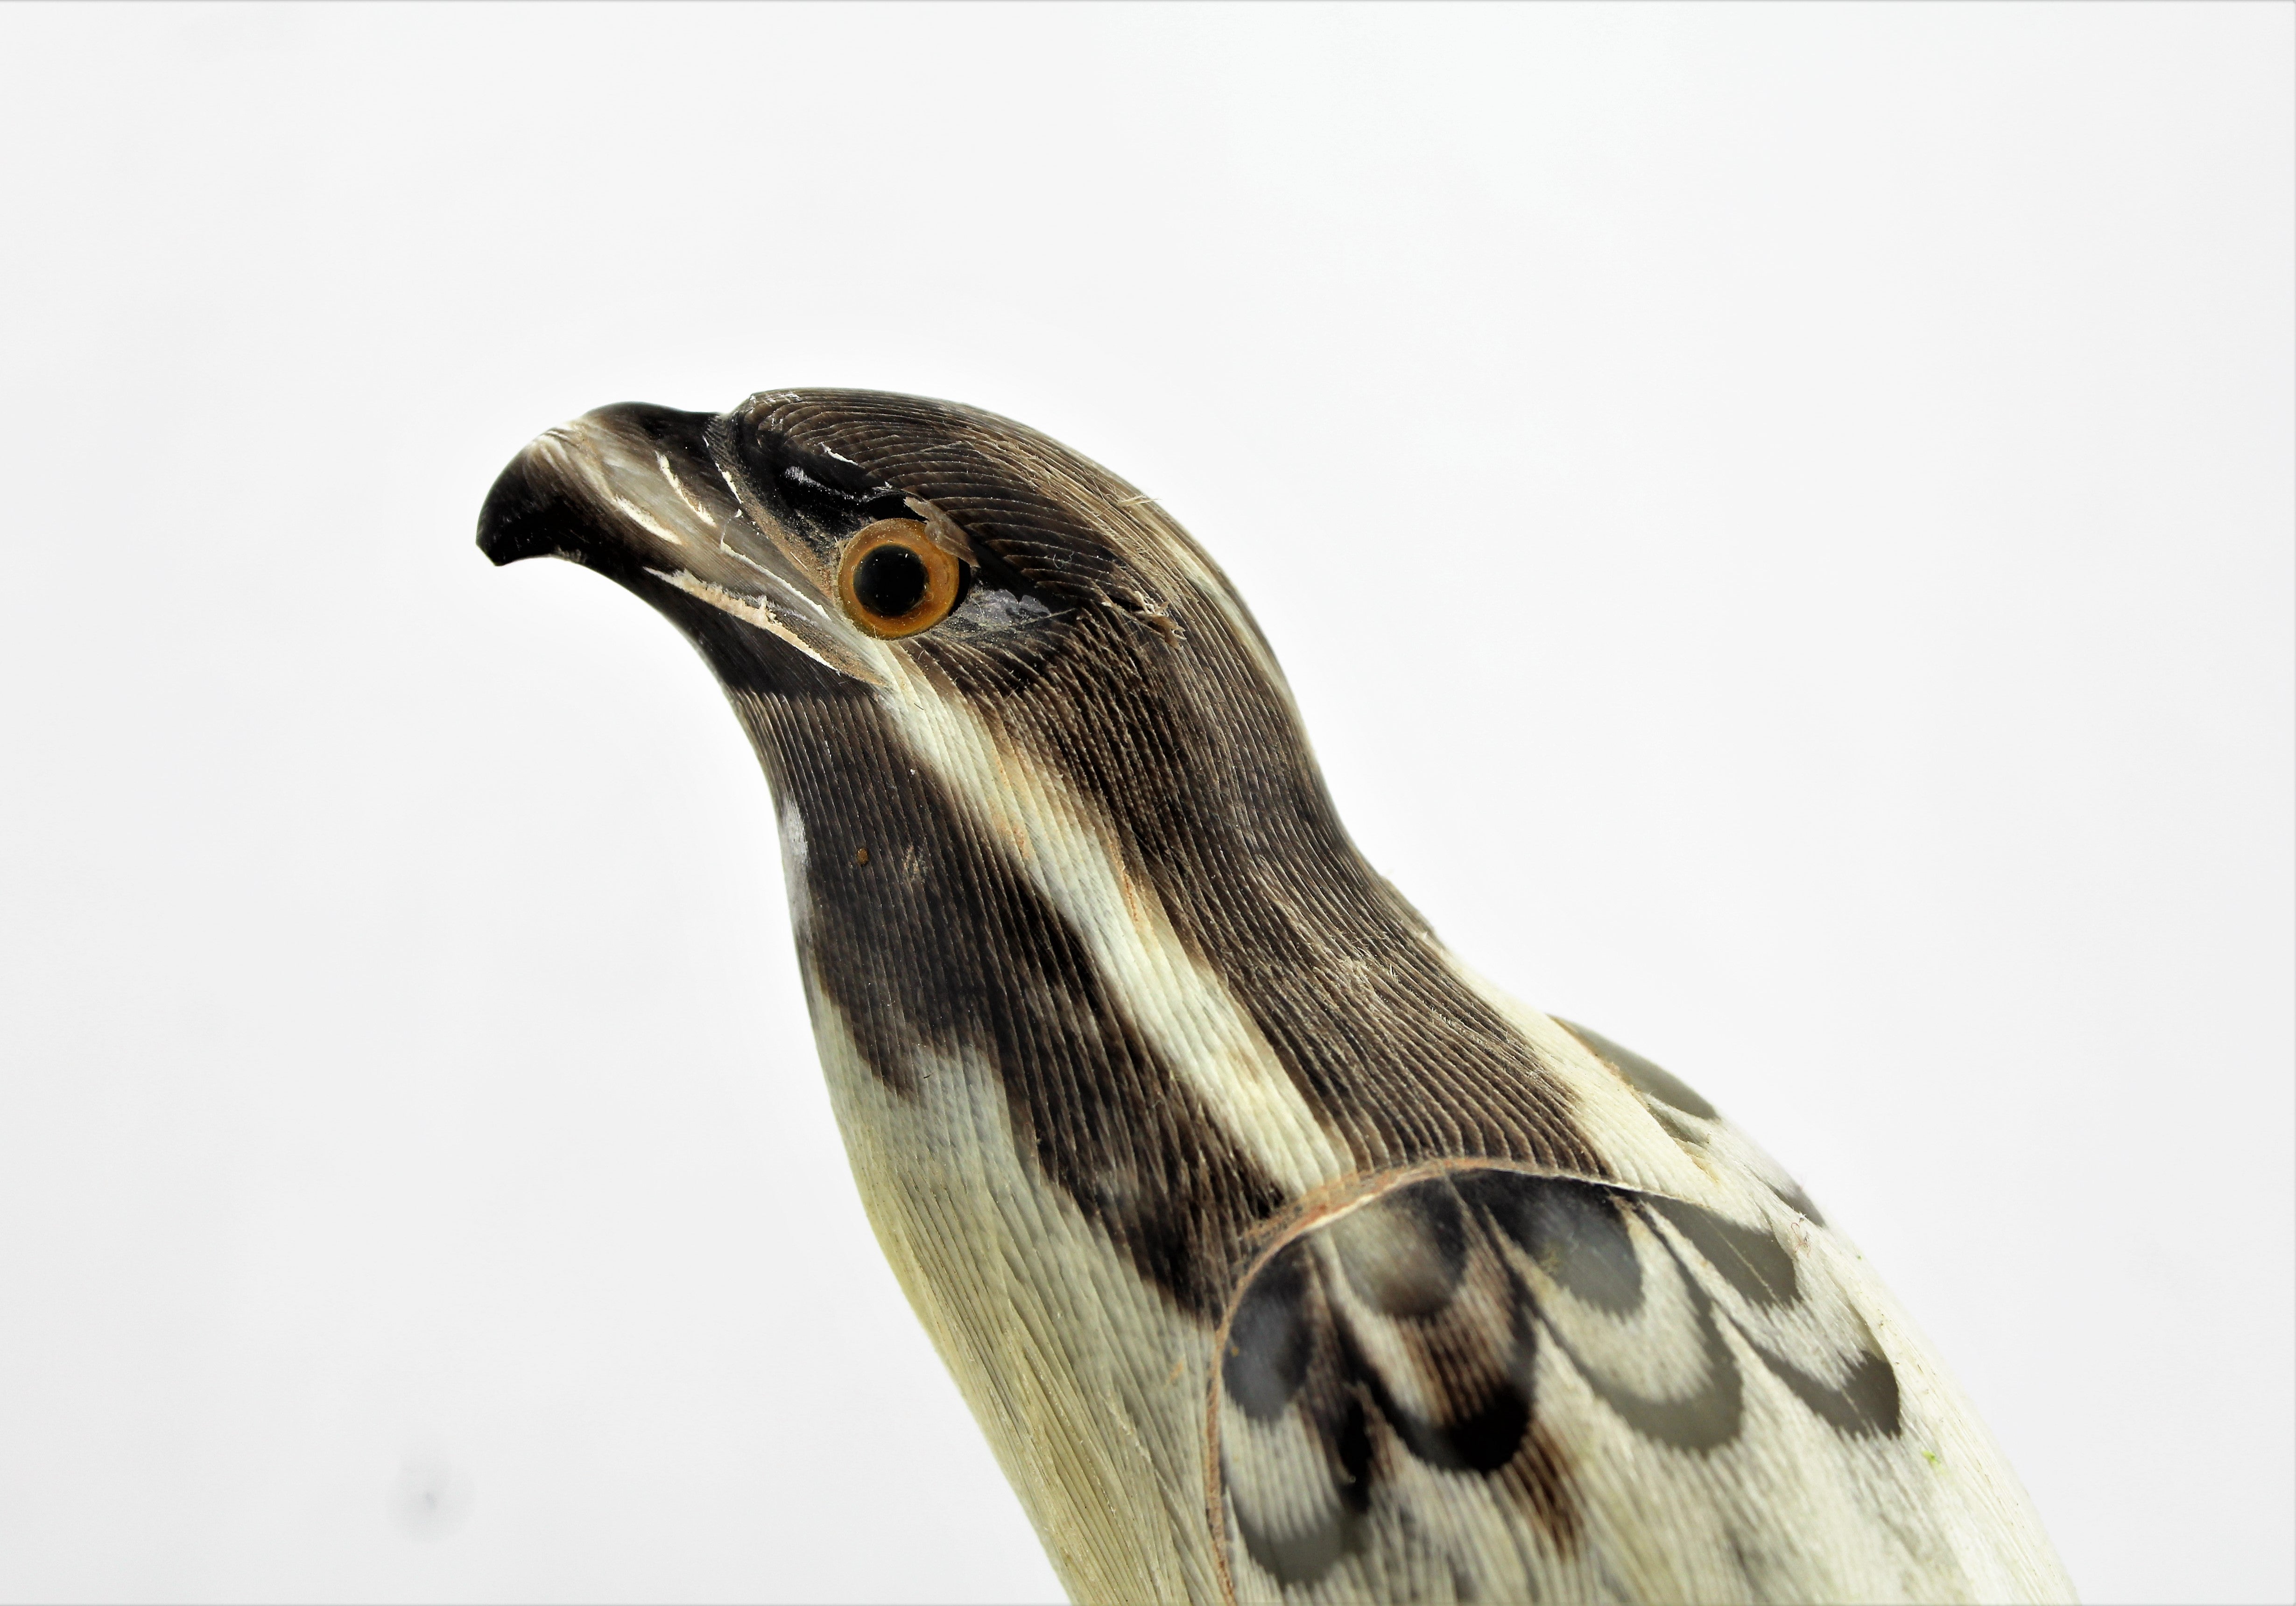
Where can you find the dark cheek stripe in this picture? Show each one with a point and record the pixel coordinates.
(1205, 774)
(938, 942)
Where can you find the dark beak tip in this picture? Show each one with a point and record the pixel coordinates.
(522, 518)
(537, 509)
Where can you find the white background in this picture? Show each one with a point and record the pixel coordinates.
(415, 1181)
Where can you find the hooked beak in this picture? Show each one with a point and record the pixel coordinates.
(635, 492)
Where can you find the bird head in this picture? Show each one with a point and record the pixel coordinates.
(893, 577)
(885, 539)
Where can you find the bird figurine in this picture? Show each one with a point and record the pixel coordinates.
(1280, 1257)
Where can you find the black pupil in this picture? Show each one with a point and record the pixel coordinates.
(889, 581)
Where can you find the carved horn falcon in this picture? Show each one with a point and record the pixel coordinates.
(1280, 1255)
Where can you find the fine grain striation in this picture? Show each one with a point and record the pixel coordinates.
(1280, 1255)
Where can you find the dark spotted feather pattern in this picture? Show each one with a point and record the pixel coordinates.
(1474, 1331)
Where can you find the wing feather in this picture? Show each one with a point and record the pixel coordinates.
(1482, 1382)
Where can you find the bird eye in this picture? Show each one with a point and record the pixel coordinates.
(893, 581)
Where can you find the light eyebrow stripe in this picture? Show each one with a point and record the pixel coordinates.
(1182, 1005)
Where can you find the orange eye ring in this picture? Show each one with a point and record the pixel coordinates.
(893, 581)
